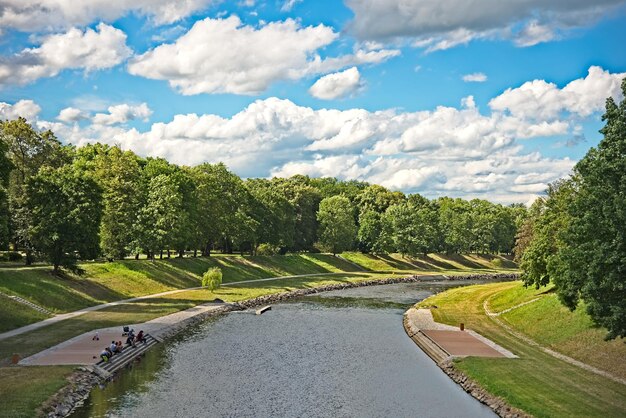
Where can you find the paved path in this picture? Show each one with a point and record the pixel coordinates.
(62, 317)
(84, 350)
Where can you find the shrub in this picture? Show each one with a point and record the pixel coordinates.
(268, 249)
(212, 278)
(496, 262)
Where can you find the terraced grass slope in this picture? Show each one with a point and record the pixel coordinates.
(538, 383)
(106, 282)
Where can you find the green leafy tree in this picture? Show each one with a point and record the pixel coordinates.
(336, 222)
(5, 170)
(212, 278)
(28, 151)
(66, 208)
(118, 174)
(592, 263)
(546, 240)
(159, 217)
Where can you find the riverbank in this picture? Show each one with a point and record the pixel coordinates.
(537, 383)
(62, 403)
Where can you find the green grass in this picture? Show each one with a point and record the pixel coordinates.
(24, 389)
(536, 382)
(15, 314)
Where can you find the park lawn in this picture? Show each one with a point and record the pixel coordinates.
(15, 315)
(24, 389)
(106, 282)
(536, 382)
(553, 325)
(517, 295)
(374, 262)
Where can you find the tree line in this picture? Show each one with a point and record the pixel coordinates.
(575, 237)
(64, 204)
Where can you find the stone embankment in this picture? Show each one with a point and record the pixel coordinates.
(65, 401)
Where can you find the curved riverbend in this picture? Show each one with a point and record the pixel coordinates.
(342, 353)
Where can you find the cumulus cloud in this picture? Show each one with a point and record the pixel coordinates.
(337, 85)
(123, 113)
(38, 15)
(445, 23)
(71, 114)
(400, 150)
(475, 78)
(26, 109)
(88, 50)
(539, 99)
(225, 56)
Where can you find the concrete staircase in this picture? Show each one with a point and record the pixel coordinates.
(28, 303)
(128, 354)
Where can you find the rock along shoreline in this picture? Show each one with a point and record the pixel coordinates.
(82, 381)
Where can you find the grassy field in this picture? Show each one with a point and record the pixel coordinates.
(24, 389)
(537, 382)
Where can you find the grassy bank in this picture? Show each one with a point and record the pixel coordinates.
(107, 282)
(537, 382)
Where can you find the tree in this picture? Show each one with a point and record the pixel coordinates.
(592, 263)
(159, 217)
(414, 225)
(546, 239)
(118, 174)
(5, 170)
(28, 150)
(337, 230)
(66, 208)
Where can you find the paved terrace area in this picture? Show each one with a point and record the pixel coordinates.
(455, 342)
(83, 350)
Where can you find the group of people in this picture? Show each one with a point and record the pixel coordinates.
(116, 347)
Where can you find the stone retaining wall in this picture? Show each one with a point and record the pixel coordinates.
(62, 403)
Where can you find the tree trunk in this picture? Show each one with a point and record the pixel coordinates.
(195, 252)
(161, 255)
(137, 256)
(181, 253)
(168, 253)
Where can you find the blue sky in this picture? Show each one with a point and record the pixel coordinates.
(462, 98)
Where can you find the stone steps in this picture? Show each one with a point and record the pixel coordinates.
(431, 348)
(127, 355)
(28, 303)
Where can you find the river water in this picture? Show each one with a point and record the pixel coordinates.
(337, 354)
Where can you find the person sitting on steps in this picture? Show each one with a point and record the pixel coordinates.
(140, 338)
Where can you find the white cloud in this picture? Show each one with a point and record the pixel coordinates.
(288, 5)
(473, 154)
(475, 78)
(337, 85)
(441, 24)
(225, 56)
(123, 113)
(539, 99)
(88, 50)
(71, 114)
(535, 33)
(38, 15)
(27, 109)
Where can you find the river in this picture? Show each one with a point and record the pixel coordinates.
(337, 354)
